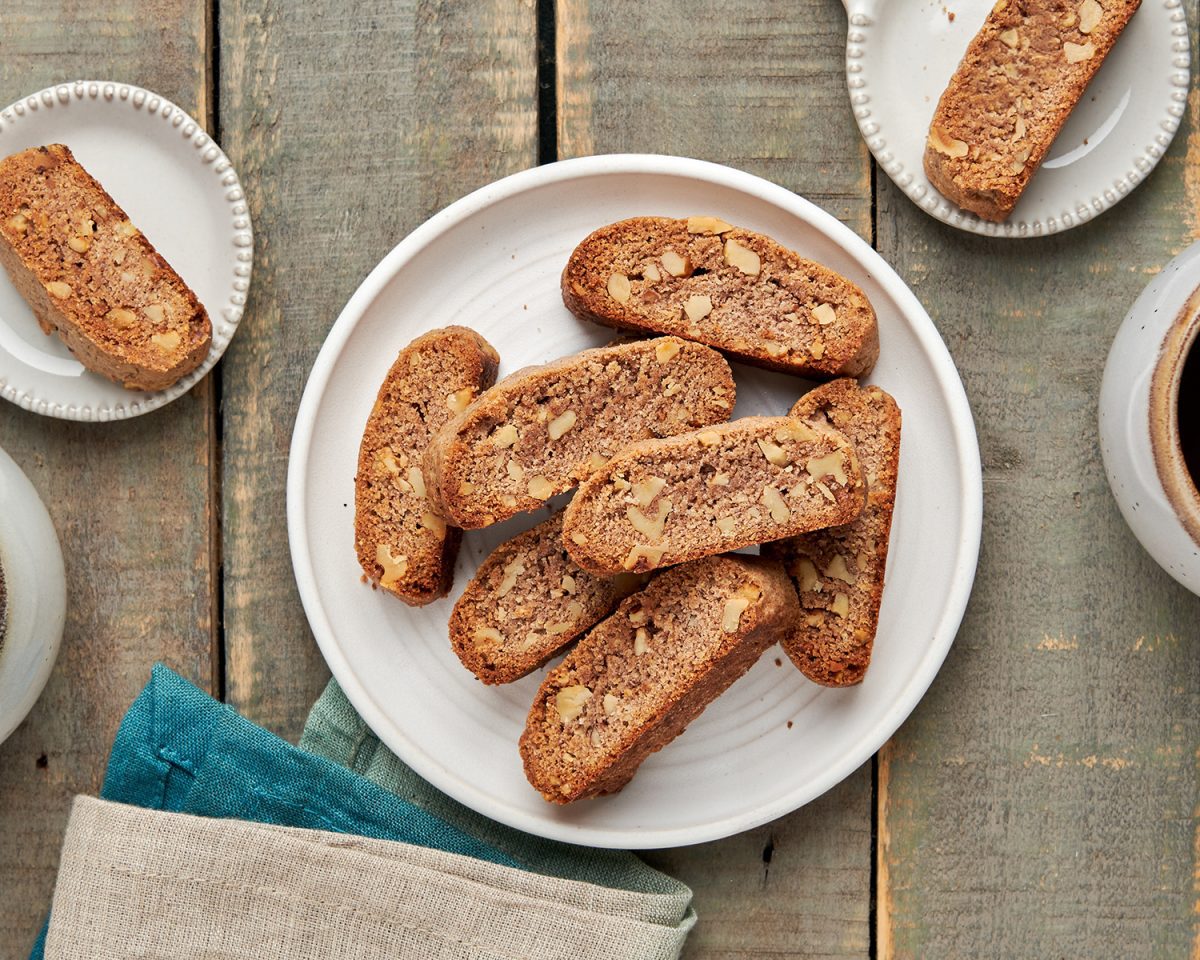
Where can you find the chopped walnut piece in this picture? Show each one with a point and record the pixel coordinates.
(569, 702)
(676, 265)
(707, 225)
(619, 288)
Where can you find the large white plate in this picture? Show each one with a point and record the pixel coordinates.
(177, 187)
(900, 54)
(774, 741)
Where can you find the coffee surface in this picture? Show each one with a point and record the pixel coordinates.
(1189, 413)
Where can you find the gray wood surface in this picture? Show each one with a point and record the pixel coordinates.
(348, 132)
(759, 86)
(1041, 801)
(132, 502)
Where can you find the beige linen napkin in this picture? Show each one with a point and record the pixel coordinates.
(144, 883)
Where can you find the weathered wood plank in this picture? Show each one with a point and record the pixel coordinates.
(1042, 799)
(348, 132)
(758, 86)
(131, 501)
(797, 887)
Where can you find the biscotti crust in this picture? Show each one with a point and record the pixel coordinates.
(400, 538)
(91, 277)
(839, 571)
(729, 288)
(526, 602)
(734, 485)
(541, 430)
(635, 682)
(1021, 76)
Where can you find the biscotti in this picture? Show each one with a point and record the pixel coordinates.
(1021, 76)
(526, 602)
(732, 289)
(92, 277)
(632, 684)
(839, 571)
(756, 479)
(541, 430)
(402, 542)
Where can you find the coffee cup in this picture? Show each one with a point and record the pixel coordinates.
(34, 595)
(1150, 418)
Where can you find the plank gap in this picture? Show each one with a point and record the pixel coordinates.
(212, 28)
(547, 83)
(873, 886)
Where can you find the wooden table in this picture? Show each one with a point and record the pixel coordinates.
(1041, 801)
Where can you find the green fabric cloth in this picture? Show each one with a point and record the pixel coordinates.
(335, 730)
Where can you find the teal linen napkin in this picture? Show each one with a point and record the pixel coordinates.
(179, 750)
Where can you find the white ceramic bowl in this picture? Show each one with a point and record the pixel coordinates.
(36, 588)
(1139, 419)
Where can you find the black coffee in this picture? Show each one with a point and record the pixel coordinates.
(1189, 412)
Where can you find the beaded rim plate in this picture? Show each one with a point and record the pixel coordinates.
(177, 186)
(900, 54)
(773, 741)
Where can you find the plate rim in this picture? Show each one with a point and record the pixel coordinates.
(949, 383)
(861, 18)
(225, 316)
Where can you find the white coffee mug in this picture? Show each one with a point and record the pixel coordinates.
(35, 590)
(1141, 418)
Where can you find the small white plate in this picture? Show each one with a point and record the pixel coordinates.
(900, 54)
(36, 588)
(181, 191)
(774, 741)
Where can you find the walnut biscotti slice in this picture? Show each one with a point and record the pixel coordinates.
(839, 571)
(732, 289)
(92, 277)
(756, 479)
(541, 430)
(1021, 76)
(401, 540)
(641, 676)
(526, 602)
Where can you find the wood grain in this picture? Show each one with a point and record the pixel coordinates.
(758, 86)
(131, 501)
(348, 132)
(1042, 799)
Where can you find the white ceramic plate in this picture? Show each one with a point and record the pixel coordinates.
(36, 587)
(900, 54)
(774, 741)
(177, 187)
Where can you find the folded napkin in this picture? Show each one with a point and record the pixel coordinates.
(264, 866)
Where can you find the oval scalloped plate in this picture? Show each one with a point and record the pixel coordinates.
(774, 740)
(900, 54)
(176, 185)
